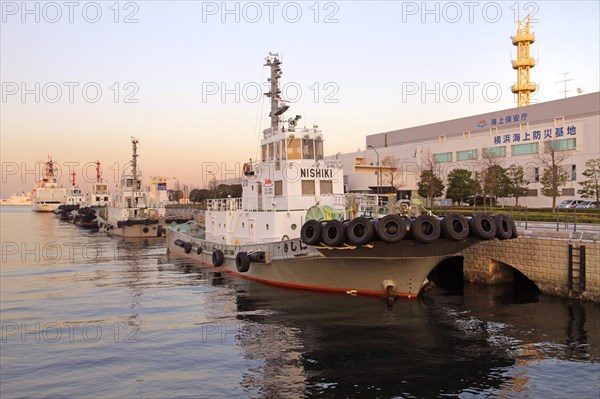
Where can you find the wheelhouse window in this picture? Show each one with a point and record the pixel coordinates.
(264, 152)
(326, 187)
(278, 150)
(308, 187)
(319, 149)
(308, 149)
(293, 149)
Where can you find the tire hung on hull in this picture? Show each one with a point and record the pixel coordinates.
(359, 231)
(391, 228)
(482, 226)
(333, 233)
(311, 232)
(455, 227)
(242, 262)
(426, 229)
(503, 227)
(217, 258)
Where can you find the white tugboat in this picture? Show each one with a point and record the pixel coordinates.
(47, 194)
(75, 197)
(131, 213)
(295, 227)
(99, 198)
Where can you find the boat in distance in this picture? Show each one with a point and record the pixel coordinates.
(47, 194)
(131, 212)
(295, 227)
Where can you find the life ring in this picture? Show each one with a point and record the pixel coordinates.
(391, 228)
(426, 228)
(359, 231)
(333, 233)
(482, 226)
(187, 247)
(310, 234)
(455, 227)
(242, 262)
(503, 227)
(217, 258)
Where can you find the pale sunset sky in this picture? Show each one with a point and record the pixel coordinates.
(80, 78)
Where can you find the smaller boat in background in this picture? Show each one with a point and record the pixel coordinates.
(132, 213)
(47, 194)
(98, 200)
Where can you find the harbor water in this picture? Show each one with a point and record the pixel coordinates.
(85, 315)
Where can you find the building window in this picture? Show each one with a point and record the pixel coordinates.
(560, 145)
(533, 174)
(493, 131)
(466, 135)
(466, 155)
(308, 187)
(524, 149)
(278, 187)
(443, 157)
(559, 121)
(524, 126)
(572, 171)
(442, 138)
(568, 191)
(532, 193)
(326, 187)
(494, 152)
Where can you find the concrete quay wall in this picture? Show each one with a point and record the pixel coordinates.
(541, 257)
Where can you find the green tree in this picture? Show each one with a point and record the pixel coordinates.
(517, 183)
(495, 182)
(175, 195)
(553, 176)
(430, 186)
(198, 195)
(552, 179)
(591, 186)
(461, 185)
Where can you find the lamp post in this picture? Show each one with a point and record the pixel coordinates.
(378, 166)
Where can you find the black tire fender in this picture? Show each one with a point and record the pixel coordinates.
(359, 231)
(310, 234)
(426, 229)
(217, 258)
(455, 227)
(503, 227)
(333, 233)
(482, 226)
(242, 262)
(391, 228)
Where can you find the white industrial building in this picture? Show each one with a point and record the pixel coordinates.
(517, 135)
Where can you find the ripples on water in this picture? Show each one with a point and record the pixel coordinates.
(89, 316)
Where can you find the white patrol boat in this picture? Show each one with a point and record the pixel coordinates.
(295, 227)
(100, 196)
(75, 197)
(132, 213)
(47, 194)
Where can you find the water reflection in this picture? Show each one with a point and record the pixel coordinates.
(338, 346)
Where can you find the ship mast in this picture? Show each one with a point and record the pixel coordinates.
(98, 173)
(49, 172)
(134, 170)
(272, 61)
(73, 178)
